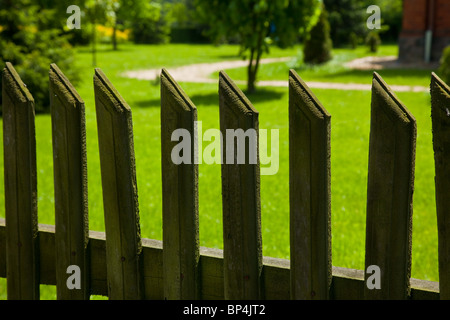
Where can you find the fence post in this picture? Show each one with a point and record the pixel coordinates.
(240, 193)
(389, 193)
(310, 193)
(19, 145)
(440, 116)
(120, 198)
(70, 182)
(180, 193)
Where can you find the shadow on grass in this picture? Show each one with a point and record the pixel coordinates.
(103, 49)
(401, 76)
(211, 99)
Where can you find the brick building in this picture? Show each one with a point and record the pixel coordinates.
(425, 30)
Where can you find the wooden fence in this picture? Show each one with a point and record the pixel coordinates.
(122, 265)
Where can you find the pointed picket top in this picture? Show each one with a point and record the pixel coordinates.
(309, 99)
(381, 89)
(440, 116)
(438, 86)
(390, 188)
(176, 91)
(14, 84)
(106, 90)
(230, 90)
(64, 86)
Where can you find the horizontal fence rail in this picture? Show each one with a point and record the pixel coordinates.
(121, 265)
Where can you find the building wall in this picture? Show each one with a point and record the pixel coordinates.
(418, 17)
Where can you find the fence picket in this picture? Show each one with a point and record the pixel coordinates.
(180, 194)
(310, 193)
(390, 193)
(120, 198)
(240, 195)
(440, 115)
(19, 144)
(70, 184)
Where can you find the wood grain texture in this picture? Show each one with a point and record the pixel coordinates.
(120, 197)
(440, 116)
(310, 193)
(240, 195)
(19, 151)
(70, 183)
(180, 195)
(390, 192)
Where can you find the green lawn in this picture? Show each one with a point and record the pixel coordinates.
(336, 71)
(350, 112)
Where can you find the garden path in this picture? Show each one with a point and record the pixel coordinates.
(201, 72)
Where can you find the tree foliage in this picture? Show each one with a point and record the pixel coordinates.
(152, 23)
(346, 17)
(30, 40)
(444, 68)
(257, 24)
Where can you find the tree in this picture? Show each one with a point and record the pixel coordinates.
(318, 44)
(257, 24)
(345, 17)
(152, 23)
(122, 14)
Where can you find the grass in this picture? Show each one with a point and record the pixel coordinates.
(350, 112)
(336, 71)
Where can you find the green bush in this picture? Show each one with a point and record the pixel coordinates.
(354, 39)
(26, 42)
(444, 69)
(373, 41)
(318, 44)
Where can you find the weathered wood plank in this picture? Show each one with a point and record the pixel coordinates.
(390, 192)
(240, 193)
(310, 193)
(440, 116)
(180, 192)
(19, 151)
(346, 283)
(70, 183)
(120, 197)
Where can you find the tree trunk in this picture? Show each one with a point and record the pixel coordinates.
(114, 36)
(94, 48)
(254, 65)
(251, 75)
(252, 70)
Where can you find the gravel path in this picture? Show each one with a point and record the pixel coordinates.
(201, 72)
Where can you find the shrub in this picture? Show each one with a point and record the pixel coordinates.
(353, 39)
(444, 69)
(318, 44)
(31, 47)
(373, 41)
